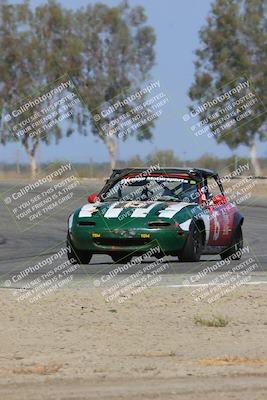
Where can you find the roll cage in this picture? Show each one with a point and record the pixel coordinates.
(199, 174)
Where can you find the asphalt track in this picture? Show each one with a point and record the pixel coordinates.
(19, 248)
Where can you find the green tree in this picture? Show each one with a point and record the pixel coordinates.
(107, 51)
(29, 61)
(233, 45)
(117, 56)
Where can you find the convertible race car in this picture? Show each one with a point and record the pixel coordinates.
(182, 210)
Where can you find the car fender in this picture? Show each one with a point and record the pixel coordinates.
(238, 220)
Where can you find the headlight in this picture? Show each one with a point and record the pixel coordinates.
(70, 221)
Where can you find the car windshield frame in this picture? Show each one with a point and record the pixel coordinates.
(112, 191)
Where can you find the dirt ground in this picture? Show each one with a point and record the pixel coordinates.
(74, 345)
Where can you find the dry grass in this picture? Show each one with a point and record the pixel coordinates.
(227, 360)
(215, 321)
(36, 369)
(153, 354)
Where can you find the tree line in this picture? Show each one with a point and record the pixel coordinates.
(97, 169)
(233, 45)
(108, 51)
(105, 50)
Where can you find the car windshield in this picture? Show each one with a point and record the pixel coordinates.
(153, 189)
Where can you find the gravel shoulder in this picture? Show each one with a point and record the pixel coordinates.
(74, 345)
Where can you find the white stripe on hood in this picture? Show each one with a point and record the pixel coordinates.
(173, 209)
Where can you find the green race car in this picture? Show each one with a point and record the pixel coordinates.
(182, 211)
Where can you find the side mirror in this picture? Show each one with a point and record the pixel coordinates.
(219, 199)
(92, 198)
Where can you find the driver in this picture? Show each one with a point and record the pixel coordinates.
(169, 192)
(146, 192)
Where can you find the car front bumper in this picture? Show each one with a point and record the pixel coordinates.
(137, 241)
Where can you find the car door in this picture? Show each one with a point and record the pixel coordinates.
(221, 215)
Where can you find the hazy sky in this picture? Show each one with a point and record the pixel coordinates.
(176, 23)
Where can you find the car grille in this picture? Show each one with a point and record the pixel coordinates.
(121, 241)
(87, 223)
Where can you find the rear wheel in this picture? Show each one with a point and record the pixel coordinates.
(236, 245)
(77, 256)
(193, 247)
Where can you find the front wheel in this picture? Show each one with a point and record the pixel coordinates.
(237, 244)
(77, 256)
(193, 247)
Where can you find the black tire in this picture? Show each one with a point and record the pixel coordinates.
(77, 256)
(236, 244)
(120, 258)
(193, 247)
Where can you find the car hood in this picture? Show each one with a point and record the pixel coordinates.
(130, 210)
